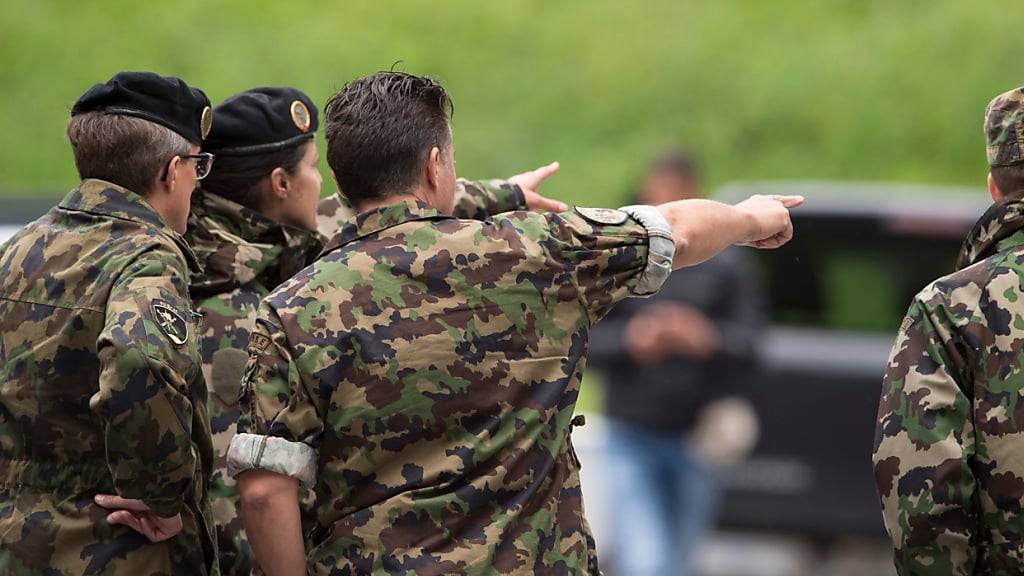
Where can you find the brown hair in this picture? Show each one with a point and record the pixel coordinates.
(122, 150)
(240, 178)
(1009, 179)
(380, 130)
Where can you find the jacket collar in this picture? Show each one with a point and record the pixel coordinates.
(238, 245)
(381, 218)
(107, 199)
(1000, 228)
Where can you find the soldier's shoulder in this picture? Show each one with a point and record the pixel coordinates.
(998, 276)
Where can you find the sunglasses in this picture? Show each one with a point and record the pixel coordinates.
(204, 162)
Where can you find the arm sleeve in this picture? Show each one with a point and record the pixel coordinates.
(146, 396)
(924, 442)
(603, 255)
(480, 200)
(280, 427)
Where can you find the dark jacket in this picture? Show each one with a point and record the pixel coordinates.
(668, 396)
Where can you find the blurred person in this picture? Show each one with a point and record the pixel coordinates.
(253, 225)
(667, 362)
(950, 430)
(423, 373)
(104, 437)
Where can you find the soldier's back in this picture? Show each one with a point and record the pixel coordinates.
(442, 360)
(56, 276)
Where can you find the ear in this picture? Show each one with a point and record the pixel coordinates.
(434, 162)
(280, 184)
(993, 189)
(167, 184)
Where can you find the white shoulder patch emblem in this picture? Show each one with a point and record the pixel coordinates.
(605, 216)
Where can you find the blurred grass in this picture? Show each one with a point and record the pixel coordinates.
(846, 89)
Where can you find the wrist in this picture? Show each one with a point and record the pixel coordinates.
(747, 226)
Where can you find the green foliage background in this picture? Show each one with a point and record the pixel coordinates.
(835, 89)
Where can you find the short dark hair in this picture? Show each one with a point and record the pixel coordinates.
(1009, 179)
(239, 178)
(123, 150)
(380, 130)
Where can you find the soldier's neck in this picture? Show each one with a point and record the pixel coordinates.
(408, 198)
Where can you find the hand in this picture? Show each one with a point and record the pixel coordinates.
(530, 181)
(771, 226)
(136, 515)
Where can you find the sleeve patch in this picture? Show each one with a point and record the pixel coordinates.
(603, 216)
(258, 343)
(171, 322)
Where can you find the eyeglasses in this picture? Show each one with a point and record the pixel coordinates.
(204, 162)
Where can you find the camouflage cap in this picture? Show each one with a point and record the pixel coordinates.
(1004, 129)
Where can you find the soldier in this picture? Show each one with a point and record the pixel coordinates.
(948, 435)
(103, 405)
(422, 374)
(253, 225)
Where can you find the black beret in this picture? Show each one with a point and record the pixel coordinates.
(166, 100)
(262, 120)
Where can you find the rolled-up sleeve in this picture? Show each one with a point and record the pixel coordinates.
(280, 426)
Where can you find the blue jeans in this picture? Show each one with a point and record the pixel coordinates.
(663, 502)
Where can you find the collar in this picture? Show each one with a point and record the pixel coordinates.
(381, 218)
(1000, 228)
(238, 245)
(104, 198)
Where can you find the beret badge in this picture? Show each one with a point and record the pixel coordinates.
(300, 115)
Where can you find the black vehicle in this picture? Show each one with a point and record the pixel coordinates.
(838, 293)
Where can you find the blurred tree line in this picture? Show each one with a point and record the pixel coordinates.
(832, 89)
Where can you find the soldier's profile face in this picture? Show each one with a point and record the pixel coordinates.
(300, 211)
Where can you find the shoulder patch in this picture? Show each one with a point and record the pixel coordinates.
(906, 324)
(605, 216)
(258, 343)
(170, 321)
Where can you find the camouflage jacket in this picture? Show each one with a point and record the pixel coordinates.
(423, 375)
(474, 200)
(949, 433)
(101, 391)
(244, 256)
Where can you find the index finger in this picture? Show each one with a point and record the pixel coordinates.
(788, 201)
(113, 501)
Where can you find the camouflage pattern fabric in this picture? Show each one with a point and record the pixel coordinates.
(244, 256)
(434, 364)
(101, 391)
(1004, 129)
(474, 200)
(951, 416)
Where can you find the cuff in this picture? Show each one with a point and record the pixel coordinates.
(661, 248)
(257, 452)
(508, 197)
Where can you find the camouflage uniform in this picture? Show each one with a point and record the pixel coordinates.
(951, 416)
(423, 375)
(245, 255)
(101, 391)
(474, 200)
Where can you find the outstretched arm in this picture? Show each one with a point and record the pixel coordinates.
(703, 228)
